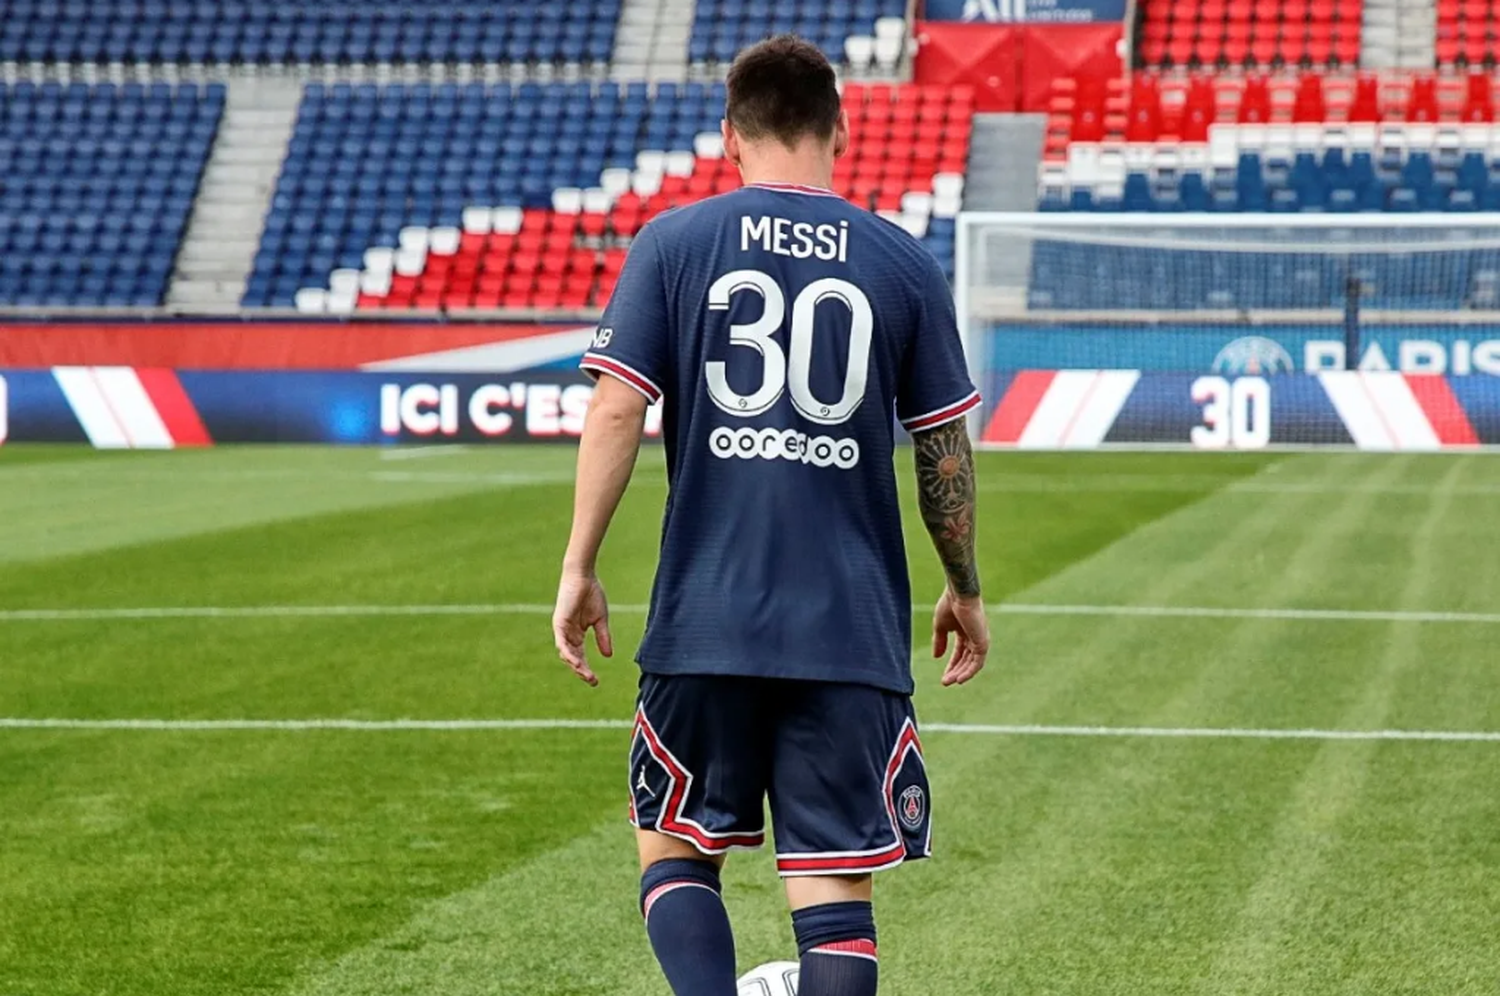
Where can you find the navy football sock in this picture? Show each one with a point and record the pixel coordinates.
(688, 927)
(837, 944)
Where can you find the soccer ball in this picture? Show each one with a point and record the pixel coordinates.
(774, 978)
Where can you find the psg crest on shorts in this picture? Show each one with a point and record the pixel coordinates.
(911, 807)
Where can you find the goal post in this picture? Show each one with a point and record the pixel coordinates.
(1220, 331)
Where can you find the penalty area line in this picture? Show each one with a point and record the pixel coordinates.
(539, 609)
(972, 729)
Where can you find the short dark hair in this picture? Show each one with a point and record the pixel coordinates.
(782, 88)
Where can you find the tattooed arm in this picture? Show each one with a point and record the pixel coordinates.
(945, 492)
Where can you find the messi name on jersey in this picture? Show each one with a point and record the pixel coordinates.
(797, 239)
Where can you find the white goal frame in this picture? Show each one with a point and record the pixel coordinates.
(1037, 222)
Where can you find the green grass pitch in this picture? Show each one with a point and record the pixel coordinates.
(497, 861)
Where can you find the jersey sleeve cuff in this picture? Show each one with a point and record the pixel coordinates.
(939, 416)
(594, 364)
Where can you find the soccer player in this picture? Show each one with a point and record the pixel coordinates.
(785, 331)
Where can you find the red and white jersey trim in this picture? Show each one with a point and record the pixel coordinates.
(663, 889)
(796, 188)
(848, 949)
(632, 377)
(670, 820)
(940, 416)
(877, 859)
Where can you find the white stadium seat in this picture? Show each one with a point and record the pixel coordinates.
(444, 241)
(567, 200)
(597, 200)
(615, 181)
(311, 300)
(411, 262)
(506, 220)
(413, 237)
(380, 259)
(477, 220)
(708, 145)
(342, 280)
(375, 283)
(860, 51)
(342, 302)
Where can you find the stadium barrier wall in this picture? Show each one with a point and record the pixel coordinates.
(158, 408)
(291, 345)
(1000, 11)
(1379, 411)
(129, 407)
(1011, 66)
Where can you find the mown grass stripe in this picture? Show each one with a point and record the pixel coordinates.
(540, 609)
(471, 725)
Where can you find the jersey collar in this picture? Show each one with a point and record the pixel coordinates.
(795, 188)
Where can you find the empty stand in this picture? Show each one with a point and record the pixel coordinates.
(1264, 33)
(1307, 143)
(96, 183)
(307, 31)
(1466, 33)
(526, 197)
(722, 27)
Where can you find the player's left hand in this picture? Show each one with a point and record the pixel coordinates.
(963, 618)
(581, 606)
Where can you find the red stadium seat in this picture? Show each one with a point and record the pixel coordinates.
(1365, 107)
(1255, 102)
(1479, 103)
(1422, 104)
(1264, 50)
(1308, 105)
(1144, 123)
(1199, 110)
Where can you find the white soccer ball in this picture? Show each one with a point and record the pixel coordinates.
(774, 978)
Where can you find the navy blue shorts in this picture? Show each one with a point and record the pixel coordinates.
(841, 765)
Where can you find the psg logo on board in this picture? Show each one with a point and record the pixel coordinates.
(1255, 355)
(912, 807)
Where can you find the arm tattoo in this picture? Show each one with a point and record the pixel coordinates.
(945, 492)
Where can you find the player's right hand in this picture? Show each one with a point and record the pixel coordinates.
(964, 618)
(581, 606)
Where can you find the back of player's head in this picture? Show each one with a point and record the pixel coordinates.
(782, 88)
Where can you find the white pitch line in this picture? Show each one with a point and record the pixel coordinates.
(1221, 733)
(1217, 612)
(540, 609)
(366, 725)
(423, 452)
(472, 725)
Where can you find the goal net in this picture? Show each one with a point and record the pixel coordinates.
(1378, 332)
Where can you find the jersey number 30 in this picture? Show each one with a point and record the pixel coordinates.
(792, 368)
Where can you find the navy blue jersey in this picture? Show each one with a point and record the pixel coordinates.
(783, 327)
